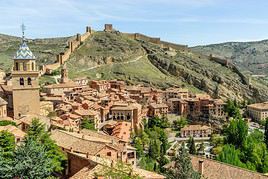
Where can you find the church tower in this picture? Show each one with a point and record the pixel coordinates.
(26, 98)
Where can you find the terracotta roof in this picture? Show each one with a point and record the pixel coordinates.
(88, 172)
(84, 112)
(13, 130)
(68, 141)
(260, 106)
(162, 105)
(122, 130)
(121, 108)
(195, 127)
(213, 169)
(70, 84)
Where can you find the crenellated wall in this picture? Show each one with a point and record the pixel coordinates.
(156, 40)
(64, 56)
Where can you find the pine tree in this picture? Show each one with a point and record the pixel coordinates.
(31, 161)
(37, 133)
(7, 144)
(6, 171)
(191, 146)
(183, 168)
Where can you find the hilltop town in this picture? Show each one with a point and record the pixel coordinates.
(100, 124)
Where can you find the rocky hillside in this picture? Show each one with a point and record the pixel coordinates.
(44, 49)
(107, 55)
(251, 57)
(113, 55)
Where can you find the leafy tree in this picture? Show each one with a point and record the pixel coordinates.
(164, 142)
(266, 133)
(230, 155)
(254, 152)
(37, 133)
(232, 108)
(7, 144)
(201, 148)
(6, 122)
(158, 122)
(88, 124)
(191, 146)
(147, 163)
(6, 170)
(183, 168)
(119, 171)
(145, 139)
(139, 147)
(236, 132)
(154, 149)
(31, 161)
(180, 123)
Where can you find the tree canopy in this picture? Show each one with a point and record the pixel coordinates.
(183, 168)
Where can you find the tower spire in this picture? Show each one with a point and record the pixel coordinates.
(23, 28)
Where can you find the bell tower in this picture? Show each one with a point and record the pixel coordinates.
(26, 98)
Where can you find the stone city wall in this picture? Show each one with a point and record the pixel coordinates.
(64, 56)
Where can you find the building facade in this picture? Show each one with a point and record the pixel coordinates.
(25, 86)
(258, 111)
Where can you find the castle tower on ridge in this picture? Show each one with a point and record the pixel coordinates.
(26, 98)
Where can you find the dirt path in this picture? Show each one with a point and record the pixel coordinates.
(97, 66)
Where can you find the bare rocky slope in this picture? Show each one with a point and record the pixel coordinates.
(106, 55)
(251, 57)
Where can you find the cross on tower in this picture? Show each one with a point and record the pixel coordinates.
(23, 28)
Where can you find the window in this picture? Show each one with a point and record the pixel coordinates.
(29, 80)
(24, 66)
(109, 154)
(32, 66)
(17, 66)
(21, 81)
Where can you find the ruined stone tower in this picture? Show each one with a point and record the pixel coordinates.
(26, 98)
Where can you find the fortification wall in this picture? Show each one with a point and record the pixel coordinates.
(174, 46)
(64, 56)
(229, 64)
(156, 40)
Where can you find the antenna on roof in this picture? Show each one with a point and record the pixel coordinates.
(23, 28)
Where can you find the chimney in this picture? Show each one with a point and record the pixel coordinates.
(201, 167)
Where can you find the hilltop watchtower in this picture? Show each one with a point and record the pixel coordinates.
(26, 98)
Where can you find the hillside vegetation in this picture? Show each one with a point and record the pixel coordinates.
(106, 55)
(44, 49)
(112, 55)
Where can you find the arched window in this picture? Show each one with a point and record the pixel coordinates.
(29, 80)
(21, 81)
(32, 66)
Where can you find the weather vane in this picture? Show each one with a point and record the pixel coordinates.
(23, 28)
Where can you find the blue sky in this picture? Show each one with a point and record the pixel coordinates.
(191, 22)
